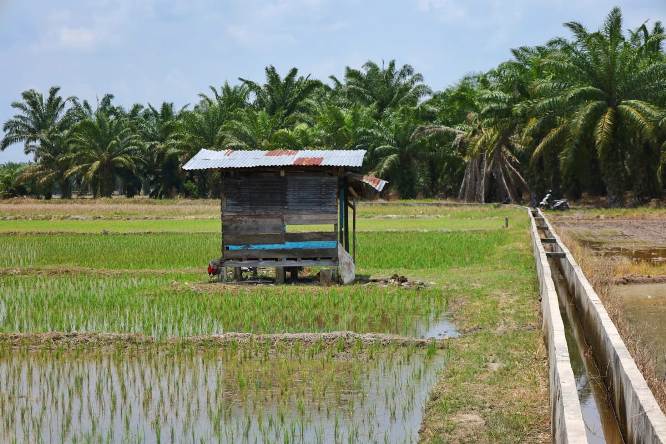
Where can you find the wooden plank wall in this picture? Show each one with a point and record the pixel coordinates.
(257, 208)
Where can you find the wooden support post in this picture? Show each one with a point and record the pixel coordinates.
(346, 215)
(221, 214)
(279, 275)
(506, 222)
(223, 274)
(293, 274)
(238, 275)
(354, 229)
(341, 217)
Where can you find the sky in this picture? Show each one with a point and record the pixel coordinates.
(150, 51)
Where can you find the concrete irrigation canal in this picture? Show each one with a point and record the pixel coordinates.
(597, 393)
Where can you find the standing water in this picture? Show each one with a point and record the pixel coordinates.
(248, 394)
(644, 307)
(598, 415)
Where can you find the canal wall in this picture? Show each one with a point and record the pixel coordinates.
(640, 418)
(567, 424)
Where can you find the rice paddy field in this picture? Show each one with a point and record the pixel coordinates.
(137, 269)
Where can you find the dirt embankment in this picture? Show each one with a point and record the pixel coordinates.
(338, 338)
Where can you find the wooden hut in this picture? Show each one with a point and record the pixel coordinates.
(285, 209)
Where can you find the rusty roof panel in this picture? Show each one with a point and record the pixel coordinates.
(209, 159)
(375, 182)
(308, 161)
(281, 153)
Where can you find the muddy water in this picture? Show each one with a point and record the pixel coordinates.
(645, 311)
(600, 421)
(644, 304)
(636, 253)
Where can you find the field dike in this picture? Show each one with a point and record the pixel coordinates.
(638, 415)
(343, 339)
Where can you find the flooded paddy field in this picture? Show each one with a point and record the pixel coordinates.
(624, 252)
(145, 333)
(645, 310)
(254, 393)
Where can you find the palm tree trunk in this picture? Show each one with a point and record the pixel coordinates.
(613, 170)
(472, 179)
(65, 188)
(481, 191)
(107, 183)
(644, 164)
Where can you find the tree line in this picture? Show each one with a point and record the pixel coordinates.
(579, 114)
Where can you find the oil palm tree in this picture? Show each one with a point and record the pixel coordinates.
(38, 119)
(285, 99)
(392, 151)
(231, 98)
(52, 167)
(488, 139)
(10, 183)
(341, 127)
(601, 90)
(84, 109)
(160, 151)
(250, 130)
(202, 127)
(385, 87)
(103, 147)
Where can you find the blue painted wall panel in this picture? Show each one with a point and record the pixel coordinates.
(305, 245)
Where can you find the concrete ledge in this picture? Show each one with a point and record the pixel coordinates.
(567, 424)
(639, 415)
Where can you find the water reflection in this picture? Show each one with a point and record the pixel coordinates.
(600, 421)
(239, 394)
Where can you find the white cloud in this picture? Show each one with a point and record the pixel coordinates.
(279, 8)
(273, 23)
(447, 9)
(77, 38)
(90, 25)
(256, 36)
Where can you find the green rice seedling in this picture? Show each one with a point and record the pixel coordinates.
(392, 252)
(212, 226)
(153, 307)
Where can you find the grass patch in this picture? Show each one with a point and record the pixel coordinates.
(492, 391)
(494, 387)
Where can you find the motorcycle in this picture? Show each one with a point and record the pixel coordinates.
(548, 203)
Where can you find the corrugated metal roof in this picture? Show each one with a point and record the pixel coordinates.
(375, 182)
(209, 159)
